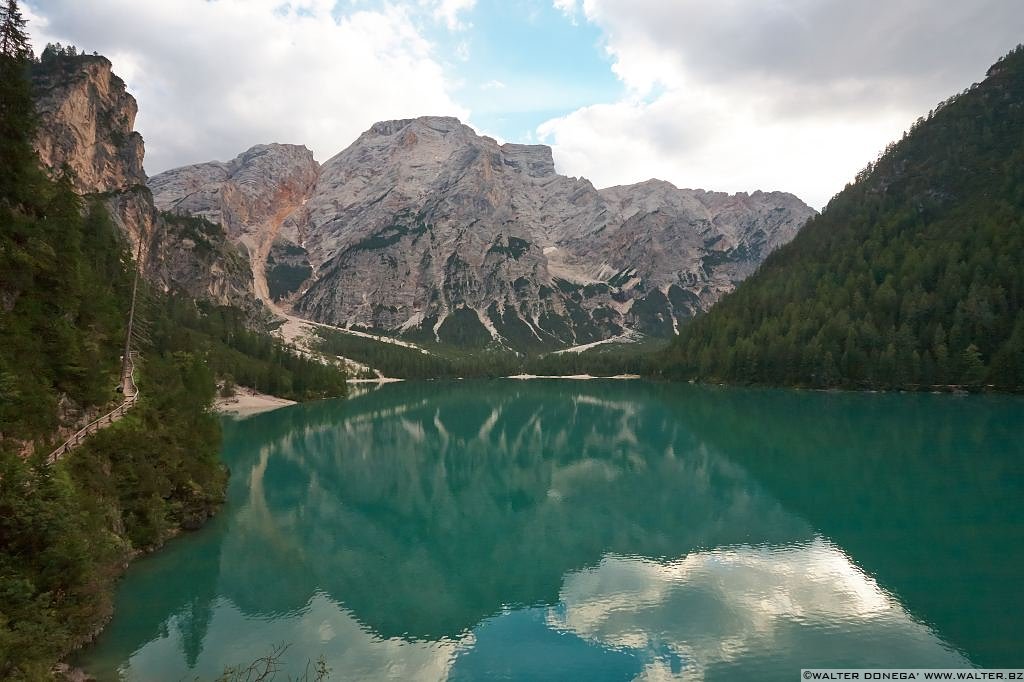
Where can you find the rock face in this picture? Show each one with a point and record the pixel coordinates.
(85, 123)
(421, 227)
(250, 197)
(424, 228)
(88, 121)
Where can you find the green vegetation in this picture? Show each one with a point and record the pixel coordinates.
(463, 329)
(515, 248)
(66, 529)
(520, 335)
(608, 359)
(411, 363)
(211, 243)
(206, 234)
(912, 277)
(446, 362)
(65, 284)
(220, 335)
(287, 269)
(66, 277)
(392, 234)
(284, 279)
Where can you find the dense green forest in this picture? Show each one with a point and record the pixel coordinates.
(66, 279)
(447, 362)
(238, 355)
(912, 277)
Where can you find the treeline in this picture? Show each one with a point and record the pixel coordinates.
(446, 363)
(64, 280)
(67, 530)
(56, 50)
(610, 360)
(912, 277)
(65, 284)
(404, 362)
(238, 355)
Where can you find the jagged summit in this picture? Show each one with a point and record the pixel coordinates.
(425, 228)
(242, 192)
(420, 227)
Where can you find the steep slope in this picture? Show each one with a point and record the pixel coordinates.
(68, 529)
(424, 228)
(912, 277)
(250, 197)
(85, 124)
(88, 121)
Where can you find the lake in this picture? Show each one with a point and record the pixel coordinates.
(599, 530)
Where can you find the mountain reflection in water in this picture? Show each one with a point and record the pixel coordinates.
(599, 530)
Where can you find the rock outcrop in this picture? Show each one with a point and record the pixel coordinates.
(86, 123)
(250, 197)
(424, 228)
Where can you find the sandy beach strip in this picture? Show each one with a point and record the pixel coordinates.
(246, 403)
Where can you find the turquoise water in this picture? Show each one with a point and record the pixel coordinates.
(595, 530)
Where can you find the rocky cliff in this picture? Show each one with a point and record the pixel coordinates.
(423, 228)
(86, 123)
(250, 197)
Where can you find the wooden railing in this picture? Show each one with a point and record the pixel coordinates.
(131, 395)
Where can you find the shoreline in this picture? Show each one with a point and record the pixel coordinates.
(247, 402)
(574, 377)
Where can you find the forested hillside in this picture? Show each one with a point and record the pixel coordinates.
(65, 284)
(912, 277)
(445, 362)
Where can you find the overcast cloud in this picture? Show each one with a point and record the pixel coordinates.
(773, 94)
(215, 78)
(733, 95)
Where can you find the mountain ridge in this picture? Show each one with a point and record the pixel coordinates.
(422, 227)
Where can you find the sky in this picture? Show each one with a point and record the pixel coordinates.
(729, 95)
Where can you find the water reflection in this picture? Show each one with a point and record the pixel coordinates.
(433, 531)
(715, 611)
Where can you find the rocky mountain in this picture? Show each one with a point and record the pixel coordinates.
(250, 197)
(86, 123)
(423, 228)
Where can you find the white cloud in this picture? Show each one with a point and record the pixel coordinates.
(708, 141)
(713, 608)
(795, 95)
(493, 85)
(323, 627)
(568, 7)
(448, 11)
(214, 78)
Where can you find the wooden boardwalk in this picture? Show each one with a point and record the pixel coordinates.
(131, 395)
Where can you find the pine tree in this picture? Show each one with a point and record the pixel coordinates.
(14, 41)
(918, 265)
(17, 112)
